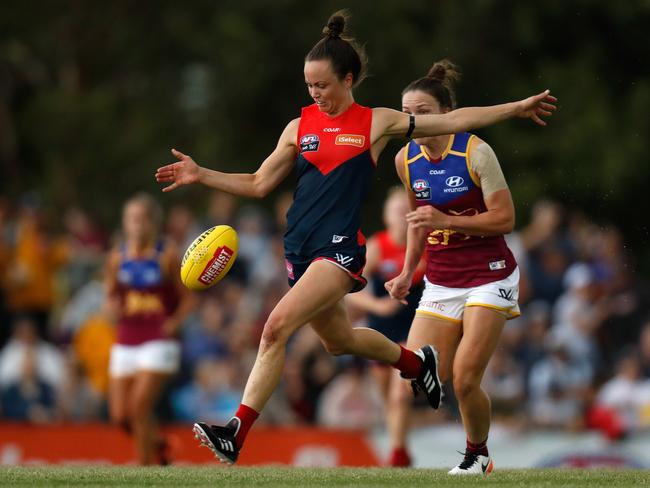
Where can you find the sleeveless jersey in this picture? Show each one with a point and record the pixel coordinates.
(454, 259)
(147, 298)
(391, 262)
(334, 169)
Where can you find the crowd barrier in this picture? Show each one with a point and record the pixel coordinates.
(105, 444)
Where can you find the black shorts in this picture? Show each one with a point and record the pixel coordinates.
(351, 260)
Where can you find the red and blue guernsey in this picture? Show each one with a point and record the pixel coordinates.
(335, 170)
(454, 259)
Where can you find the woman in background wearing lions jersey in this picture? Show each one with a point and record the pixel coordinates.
(147, 298)
(385, 255)
(460, 209)
(333, 147)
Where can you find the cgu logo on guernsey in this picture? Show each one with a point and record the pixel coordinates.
(350, 140)
(309, 142)
(216, 265)
(454, 183)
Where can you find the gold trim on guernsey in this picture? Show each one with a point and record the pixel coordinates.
(450, 143)
(418, 156)
(406, 165)
(428, 314)
(511, 314)
(468, 157)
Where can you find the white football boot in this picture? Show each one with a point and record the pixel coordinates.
(473, 463)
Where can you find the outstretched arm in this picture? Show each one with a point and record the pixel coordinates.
(397, 123)
(257, 185)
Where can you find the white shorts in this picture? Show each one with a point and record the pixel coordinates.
(159, 356)
(449, 303)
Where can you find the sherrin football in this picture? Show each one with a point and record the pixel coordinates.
(209, 258)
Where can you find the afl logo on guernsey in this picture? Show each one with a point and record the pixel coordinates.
(422, 190)
(309, 142)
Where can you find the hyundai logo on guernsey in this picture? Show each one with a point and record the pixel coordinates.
(309, 142)
(422, 190)
(454, 183)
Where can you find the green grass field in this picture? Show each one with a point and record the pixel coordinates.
(308, 477)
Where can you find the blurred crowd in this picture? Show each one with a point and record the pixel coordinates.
(577, 358)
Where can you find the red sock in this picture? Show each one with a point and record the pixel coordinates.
(478, 448)
(399, 458)
(408, 363)
(246, 416)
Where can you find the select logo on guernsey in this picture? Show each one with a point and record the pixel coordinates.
(350, 140)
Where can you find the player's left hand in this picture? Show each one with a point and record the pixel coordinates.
(428, 217)
(538, 106)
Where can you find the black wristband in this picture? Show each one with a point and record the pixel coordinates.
(411, 126)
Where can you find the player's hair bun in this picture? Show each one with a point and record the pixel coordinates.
(445, 72)
(335, 26)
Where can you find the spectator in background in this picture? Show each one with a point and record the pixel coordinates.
(557, 389)
(30, 272)
(352, 400)
(25, 341)
(205, 334)
(182, 227)
(308, 371)
(626, 297)
(28, 397)
(644, 349)
(87, 243)
(222, 208)
(578, 314)
(211, 395)
(526, 336)
(622, 399)
(78, 400)
(255, 247)
(5, 256)
(505, 384)
(87, 301)
(548, 250)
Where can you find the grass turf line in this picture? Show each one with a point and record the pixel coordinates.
(307, 477)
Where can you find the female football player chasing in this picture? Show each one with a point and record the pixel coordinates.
(333, 146)
(461, 207)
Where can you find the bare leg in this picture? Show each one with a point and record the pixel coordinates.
(444, 335)
(118, 401)
(146, 391)
(398, 407)
(318, 289)
(481, 332)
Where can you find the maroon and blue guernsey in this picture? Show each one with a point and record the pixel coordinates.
(454, 259)
(147, 298)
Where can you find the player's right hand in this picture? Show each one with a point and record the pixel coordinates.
(398, 287)
(184, 172)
